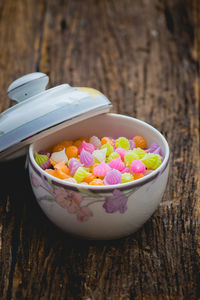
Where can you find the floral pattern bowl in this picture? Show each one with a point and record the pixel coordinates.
(100, 212)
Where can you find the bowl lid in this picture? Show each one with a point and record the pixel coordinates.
(40, 112)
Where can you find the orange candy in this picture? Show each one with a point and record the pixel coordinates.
(139, 142)
(62, 166)
(52, 172)
(84, 139)
(106, 140)
(77, 143)
(61, 174)
(92, 167)
(58, 147)
(57, 173)
(53, 162)
(71, 151)
(96, 181)
(138, 175)
(89, 178)
(66, 143)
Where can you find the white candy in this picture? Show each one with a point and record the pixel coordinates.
(59, 156)
(95, 141)
(100, 155)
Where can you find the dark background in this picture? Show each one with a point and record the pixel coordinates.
(144, 56)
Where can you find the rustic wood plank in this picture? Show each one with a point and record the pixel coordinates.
(144, 55)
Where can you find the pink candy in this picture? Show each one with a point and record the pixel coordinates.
(101, 170)
(121, 152)
(86, 158)
(137, 166)
(125, 170)
(86, 146)
(117, 164)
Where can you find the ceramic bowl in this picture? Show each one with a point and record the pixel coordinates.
(100, 212)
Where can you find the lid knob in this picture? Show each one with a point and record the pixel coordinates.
(27, 86)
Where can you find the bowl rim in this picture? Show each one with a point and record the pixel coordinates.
(105, 188)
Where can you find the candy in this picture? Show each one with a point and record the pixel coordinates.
(139, 142)
(153, 147)
(99, 155)
(74, 165)
(44, 152)
(139, 152)
(138, 176)
(95, 141)
(132, 144)
(96, 181)
(129, 157)
(66, 143)
(125, 170)
(109, 148)
(137, 166)
(152, 160)
(122, 152)
(80, 174)
(59, 156)
(122, 143)
(86, 146)
(106, 140)
(99, 161)
(40, 158)
(89, 178)
(62, 166)
(127, 177)
(58, 148)
(113, 155)
(77, 143)
(101, 170)
(117, 164)
(86, 158)
(71, 151)
(46, 165)
(113, 177)
(52, 172)
(61, 174)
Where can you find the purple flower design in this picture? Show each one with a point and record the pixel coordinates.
(35, 181)
(117, 202)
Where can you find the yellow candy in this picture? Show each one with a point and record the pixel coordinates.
(139, 152)
(152, 160)
(113, 155)
(80, 174)
(122, 142)
(127, 177)
(109, 148)
(40, 158)
(129, 157)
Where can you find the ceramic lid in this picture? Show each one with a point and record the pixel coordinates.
(40, 112)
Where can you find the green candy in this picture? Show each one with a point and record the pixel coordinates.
(112, 156)
(109, 148)
(127, 177)
(80, 174)
(122, 142)
(152, 160)
(139, 152)
(129, 157)
(41, 158)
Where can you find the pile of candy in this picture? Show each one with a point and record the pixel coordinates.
(104, 161)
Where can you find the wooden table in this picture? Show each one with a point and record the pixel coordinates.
(144, 56)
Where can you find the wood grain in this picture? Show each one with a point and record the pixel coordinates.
(145, 56)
